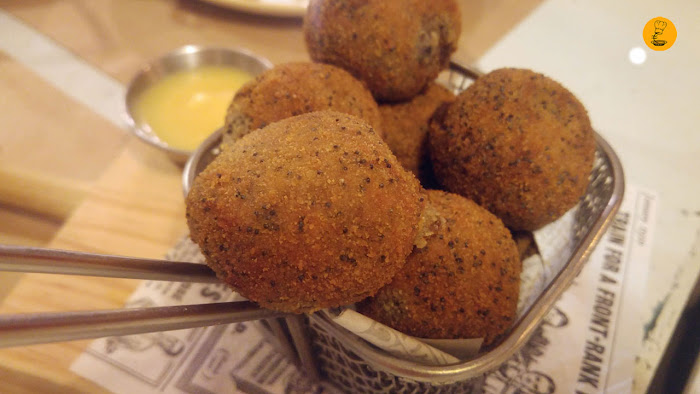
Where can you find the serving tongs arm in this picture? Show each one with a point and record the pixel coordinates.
(53, 261)
(36, 328)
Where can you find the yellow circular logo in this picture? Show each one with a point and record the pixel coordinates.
(659, 34)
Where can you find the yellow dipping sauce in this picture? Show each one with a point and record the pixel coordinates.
(186, 107)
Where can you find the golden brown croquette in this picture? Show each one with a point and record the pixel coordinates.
(310, 212)
(395, 46)
(516, 142)
(463, 284)
(406, 128)
(294, 89)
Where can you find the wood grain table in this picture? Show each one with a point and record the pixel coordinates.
(72, 179)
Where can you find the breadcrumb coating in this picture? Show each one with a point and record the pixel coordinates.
(406, 129)
(463, 284)
(395, 46)
(310, 212)
(516, 142)
(297, 88)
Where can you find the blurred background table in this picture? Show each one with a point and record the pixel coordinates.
(73, 178)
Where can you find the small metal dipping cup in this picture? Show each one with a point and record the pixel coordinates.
(185, 58)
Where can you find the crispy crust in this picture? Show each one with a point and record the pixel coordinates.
(296, 88)
(406, 128)
(463, 284)
(396, 47)
(310, 212)
(516, 142)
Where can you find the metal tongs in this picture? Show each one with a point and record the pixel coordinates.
(35, 328)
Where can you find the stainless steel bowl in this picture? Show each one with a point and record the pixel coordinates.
(185, 58)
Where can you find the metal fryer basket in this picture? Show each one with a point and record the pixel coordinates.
(356, 366)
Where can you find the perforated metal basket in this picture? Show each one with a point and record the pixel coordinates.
(356, 366)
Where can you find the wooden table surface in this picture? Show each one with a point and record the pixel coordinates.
(72, 179)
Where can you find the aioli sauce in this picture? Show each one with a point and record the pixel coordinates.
(186, 107)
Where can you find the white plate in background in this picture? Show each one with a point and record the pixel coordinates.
(284, 8)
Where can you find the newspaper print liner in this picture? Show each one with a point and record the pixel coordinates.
(390, 340)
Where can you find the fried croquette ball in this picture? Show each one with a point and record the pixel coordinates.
(463, 284)
(406, 128)
(309, 212)
(296, 88)
(516, 142)
(395, 46)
